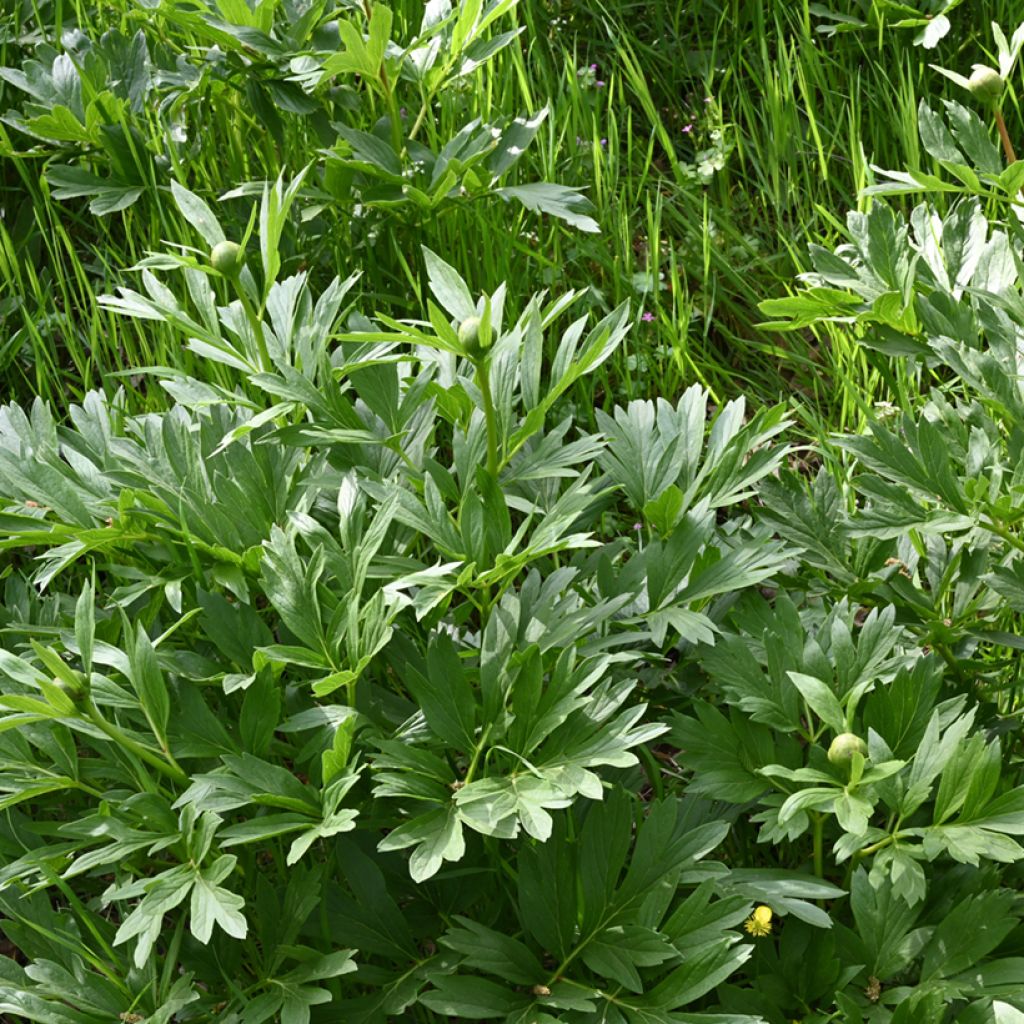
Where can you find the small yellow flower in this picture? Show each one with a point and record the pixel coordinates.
(759, 923)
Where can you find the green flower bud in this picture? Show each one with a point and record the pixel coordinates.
(226, 258)
(844, 746)
(469, 335)
(986, 83)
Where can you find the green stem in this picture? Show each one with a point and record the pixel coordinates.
(483, 379)
(254, 323)
(1001, 531)
(169, 971)
(89, 919)
(819, 835)
(87, 789)
(76, 946)
(581, 945)
(476, 757)
(556, 975)
(394, 114)
(950, 659)
(168, 767)
(418, 123)
(428, 98)
(859, 855)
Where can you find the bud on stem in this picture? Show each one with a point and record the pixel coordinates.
(987, 84)
(226, 258)
(844, 746)
(469, 337)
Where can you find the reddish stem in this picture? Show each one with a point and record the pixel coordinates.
(1011, 156)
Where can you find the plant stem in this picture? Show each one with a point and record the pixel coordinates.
(394, 114)
(254, 323)
(171, 960)
(88, 919)
(819, 835)
(421, 116)
(875, 847)
(1001, 531)
(483, 379)
(950, 659)
(476, 757)
(1004, 135)
(419, 121)
(168, 767)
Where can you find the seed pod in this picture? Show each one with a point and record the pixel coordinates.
(844, 746)
(226, 258)
(986, 83)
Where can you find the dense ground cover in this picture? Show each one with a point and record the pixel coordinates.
(510, 512)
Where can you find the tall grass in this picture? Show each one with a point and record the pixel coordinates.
(798, 120)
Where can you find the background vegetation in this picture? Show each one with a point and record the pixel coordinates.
(565, 565)
(716, 141)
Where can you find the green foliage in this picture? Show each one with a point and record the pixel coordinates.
(366, 586)
(711, 145)
(392, 660)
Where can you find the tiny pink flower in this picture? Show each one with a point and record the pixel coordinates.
(687, 128)
(599, 84)
(647, 317)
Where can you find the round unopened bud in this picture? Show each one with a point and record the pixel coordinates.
(986, 83)
(226, 258)
(844, 746)
(469, 330)
(469, 335)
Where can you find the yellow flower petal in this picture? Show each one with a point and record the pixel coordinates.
(759, 923)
